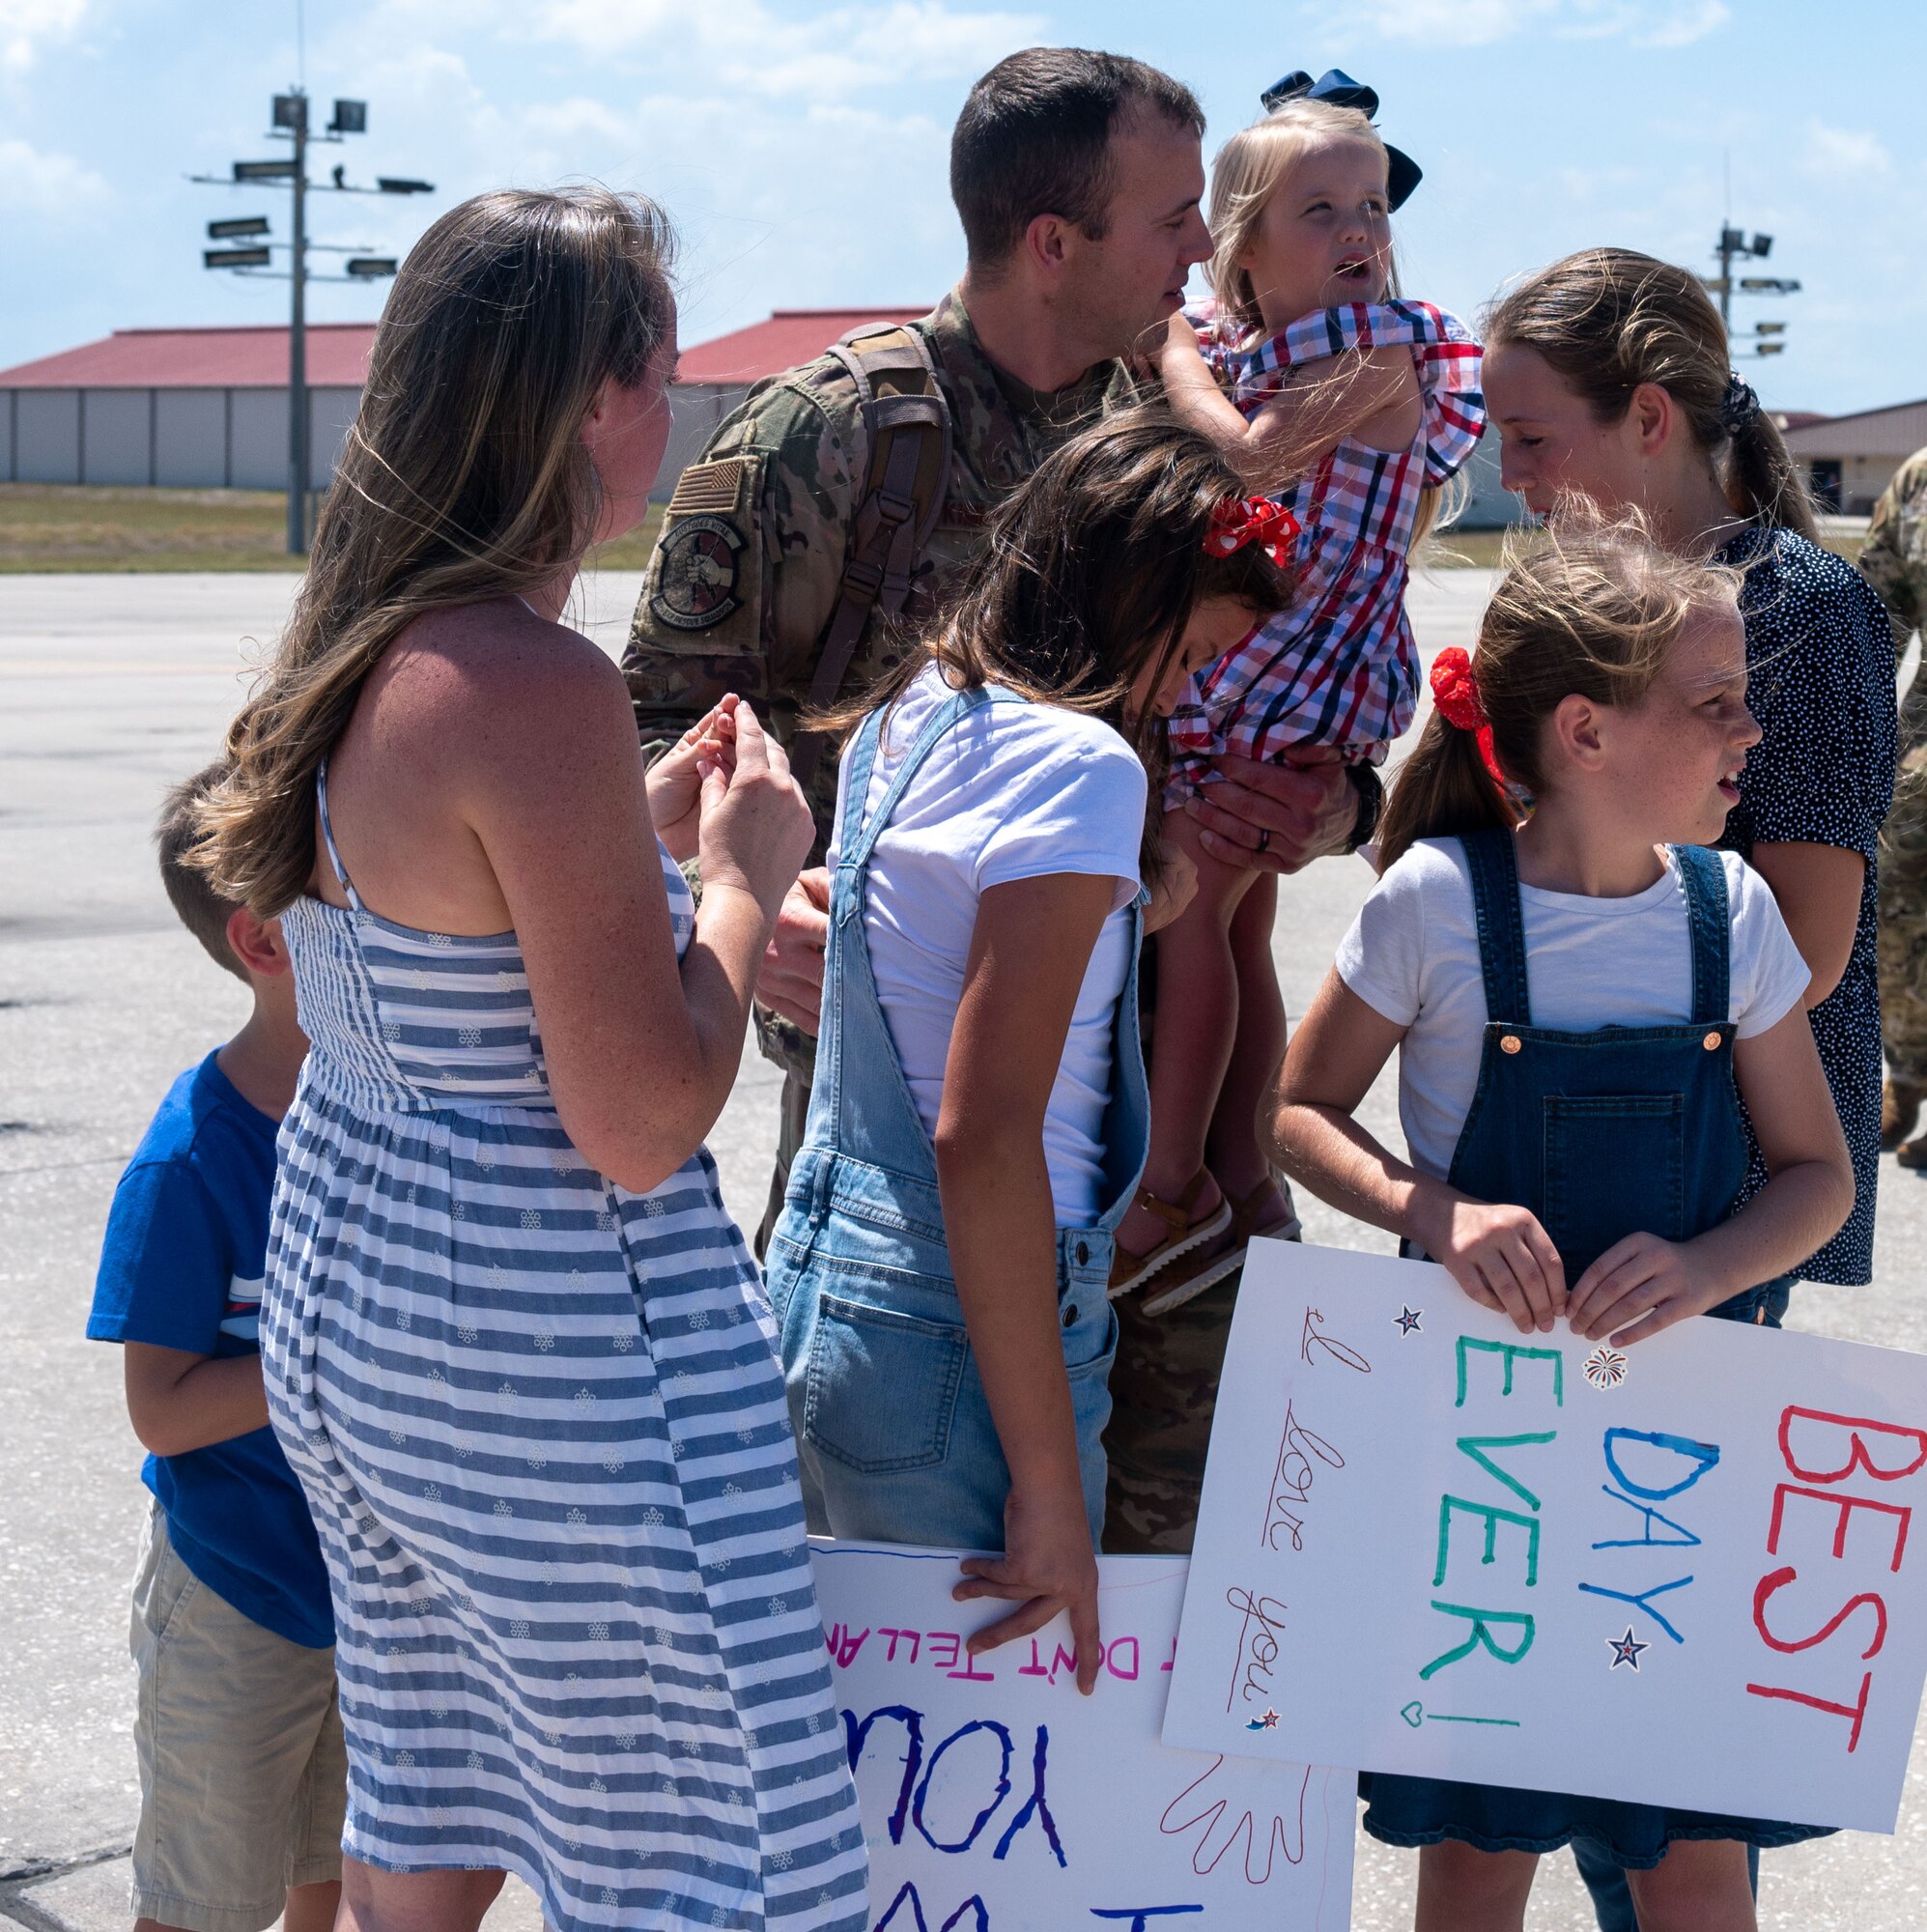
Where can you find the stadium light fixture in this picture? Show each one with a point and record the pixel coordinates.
(291, 122)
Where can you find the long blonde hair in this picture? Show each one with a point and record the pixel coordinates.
(1249, 170)
(1589, 606)
(464, 479)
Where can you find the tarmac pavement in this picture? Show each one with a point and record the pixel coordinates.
(111, 688)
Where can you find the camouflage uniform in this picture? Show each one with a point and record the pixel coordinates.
(738, 595)
(1895, 563)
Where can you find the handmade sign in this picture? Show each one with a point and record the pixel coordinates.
(1683, 1574)
(996, 1798)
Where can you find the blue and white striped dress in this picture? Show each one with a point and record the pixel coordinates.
(540, 1423)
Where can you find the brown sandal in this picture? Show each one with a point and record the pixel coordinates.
(1129, 1271)
(1206, 1270)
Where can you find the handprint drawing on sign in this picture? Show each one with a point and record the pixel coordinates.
(1242, 1800)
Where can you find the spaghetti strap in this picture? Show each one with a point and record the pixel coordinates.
(328, 838)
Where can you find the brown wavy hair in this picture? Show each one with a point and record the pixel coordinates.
(464, 479)
(1090, 572)
(1607, 319)
(1589, 606)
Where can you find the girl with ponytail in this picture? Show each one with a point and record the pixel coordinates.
(1580, 998)
(1608, 376)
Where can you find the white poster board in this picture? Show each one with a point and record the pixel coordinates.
(1686, 1574)
(996, 1798)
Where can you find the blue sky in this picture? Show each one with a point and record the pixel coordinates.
(802, 146)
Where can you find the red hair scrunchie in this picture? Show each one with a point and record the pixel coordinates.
(1456, 693)
(1241, 519)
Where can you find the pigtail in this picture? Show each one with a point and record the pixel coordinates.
(1441, 790)
(1763, 479)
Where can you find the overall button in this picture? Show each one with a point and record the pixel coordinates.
(1710, 1042)
(1510, 1042)
(1083, 1253)
(1070, 1315)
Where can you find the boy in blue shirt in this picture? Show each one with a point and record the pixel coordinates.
(243, 1770)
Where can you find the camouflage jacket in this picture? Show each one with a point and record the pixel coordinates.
(746, 573)
(1894, 563)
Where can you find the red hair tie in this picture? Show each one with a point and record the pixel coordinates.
(1456, 692)
(1241, 519)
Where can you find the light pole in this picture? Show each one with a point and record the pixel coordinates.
(1735, 244)
(291, 122)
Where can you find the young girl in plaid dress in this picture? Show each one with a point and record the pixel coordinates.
(1352, 408)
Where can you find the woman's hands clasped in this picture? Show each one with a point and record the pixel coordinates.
(753, 825)
(675, 780)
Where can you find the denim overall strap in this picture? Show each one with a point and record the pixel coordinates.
(1127, 1117)
(1710, 929)
(1495, 861)
(860, 833)
(860, 1102)
(1618, 1130)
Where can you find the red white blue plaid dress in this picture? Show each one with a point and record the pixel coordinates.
(1339, 666)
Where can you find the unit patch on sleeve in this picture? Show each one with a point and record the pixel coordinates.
(696, 579)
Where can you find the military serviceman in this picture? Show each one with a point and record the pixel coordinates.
(1895, 563)
(836, 510)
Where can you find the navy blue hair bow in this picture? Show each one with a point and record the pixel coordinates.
(1337, 89)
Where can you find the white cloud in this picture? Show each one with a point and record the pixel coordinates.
(47, 183)
(1659, 23)
(1686, 25)
(833, 53)
(26, 23)
(1838, 153)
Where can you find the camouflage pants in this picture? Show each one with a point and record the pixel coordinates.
(1164, 1391)
(1903, 927)
(1164, 1387)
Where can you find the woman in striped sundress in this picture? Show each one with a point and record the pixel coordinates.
(514, 1346)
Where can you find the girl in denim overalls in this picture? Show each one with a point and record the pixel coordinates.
(1581, 997)
(979, 1114)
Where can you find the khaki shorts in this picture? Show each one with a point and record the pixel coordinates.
(243, 1776)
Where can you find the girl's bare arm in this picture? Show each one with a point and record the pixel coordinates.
(1029, 952)
(1373, 395)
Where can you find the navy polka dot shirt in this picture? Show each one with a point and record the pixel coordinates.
(1819, 657)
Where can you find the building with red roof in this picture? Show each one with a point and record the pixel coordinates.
(207, 408)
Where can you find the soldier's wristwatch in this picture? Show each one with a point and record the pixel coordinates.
(1370, 790)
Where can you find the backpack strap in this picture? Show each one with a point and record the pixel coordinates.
(903, 456)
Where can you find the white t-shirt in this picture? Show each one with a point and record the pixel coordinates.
(1014, 791)
(1412, 954)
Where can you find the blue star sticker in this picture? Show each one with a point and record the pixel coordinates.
(1626, 1649)
(1407, 1320)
